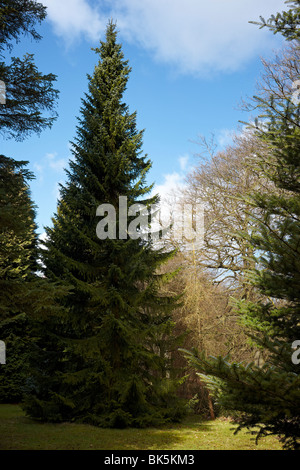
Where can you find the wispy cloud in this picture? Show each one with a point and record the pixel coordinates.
(58, 165)
(172, 184)
(183, 161)
(50, 163)
(225, 137)
(39, 169)
(198, 36)
(195, 36)
(73, 18)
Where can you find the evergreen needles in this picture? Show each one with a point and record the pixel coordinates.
(108, 345)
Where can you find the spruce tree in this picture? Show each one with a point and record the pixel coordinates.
(268, 396)
(26, 298)
(26, 95)
(108, 361)
(18, 263)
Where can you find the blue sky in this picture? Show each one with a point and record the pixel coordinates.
(192, 64)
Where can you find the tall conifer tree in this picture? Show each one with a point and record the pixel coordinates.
(26, 95)
(109, 364)
(18, 263)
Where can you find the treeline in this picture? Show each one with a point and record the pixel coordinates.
(118, 332)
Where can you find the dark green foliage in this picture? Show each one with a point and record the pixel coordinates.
(268, 396)
(25, 298)
(18, 238)
(18, 254)
(107, 365)
(286, 23)
(18, 17)
(29, 94)
(14, 332)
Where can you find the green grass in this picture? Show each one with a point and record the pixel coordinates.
(19, 432)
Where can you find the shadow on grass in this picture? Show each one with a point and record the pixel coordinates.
(21, 432)
(181, 436)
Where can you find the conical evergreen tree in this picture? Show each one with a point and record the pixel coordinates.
(26, 97)
(106, 367)
(18, 263)
(269, 396)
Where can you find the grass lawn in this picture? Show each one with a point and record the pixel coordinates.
(19, 432)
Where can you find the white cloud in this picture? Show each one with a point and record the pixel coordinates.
(225, 137)
(196, 36)
(174, 183)
(56, 165)
(40, 170)
(183, 161)
(43, 237)
(72, 18)
(171, 187)
(169, 192)
(50, 164)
